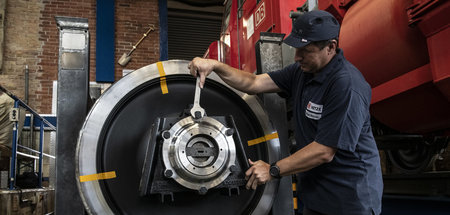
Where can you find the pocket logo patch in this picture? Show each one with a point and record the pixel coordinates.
(315, 108)
(313, 111)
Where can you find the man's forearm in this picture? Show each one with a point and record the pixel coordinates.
(236, 78)
(312, 155)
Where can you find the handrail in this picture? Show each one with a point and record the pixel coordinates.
(28, 155)
(35, 151)
(23, 104)
(17, 103)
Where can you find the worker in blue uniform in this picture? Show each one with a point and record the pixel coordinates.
(338, 163)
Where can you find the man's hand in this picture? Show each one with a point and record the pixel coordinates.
(202, 67)
(257, 174)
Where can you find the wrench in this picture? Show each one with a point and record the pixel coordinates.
(197, 112)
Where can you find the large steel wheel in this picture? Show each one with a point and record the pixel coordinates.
(413, 160)
(116, 132)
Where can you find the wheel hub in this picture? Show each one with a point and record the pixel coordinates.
(198, 154)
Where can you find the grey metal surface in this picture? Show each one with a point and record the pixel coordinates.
(272, 58)
(52, 169)
(288, 53)
(72, 106)
(268, 52)
(312, 5)
(64, 22)
(191, 170)
(92, 195)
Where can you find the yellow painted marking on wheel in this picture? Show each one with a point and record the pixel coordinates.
(262, 139)
(295, 203)
(162, 78)
(98, 176)
(294, 187)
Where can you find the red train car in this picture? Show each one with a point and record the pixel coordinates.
(242, 23)
(400, 46)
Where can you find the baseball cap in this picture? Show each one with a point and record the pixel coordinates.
(316, 25)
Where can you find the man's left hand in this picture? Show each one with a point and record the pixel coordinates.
(257, 174)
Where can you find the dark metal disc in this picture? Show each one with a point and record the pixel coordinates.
(120, 130)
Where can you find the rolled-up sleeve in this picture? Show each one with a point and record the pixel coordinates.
(284, 78)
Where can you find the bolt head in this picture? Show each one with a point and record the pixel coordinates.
(229, 132)
(168, 173)
(198, 114)
(233, 168)
(202, 191)
(166, 134)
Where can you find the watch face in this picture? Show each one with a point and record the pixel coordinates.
(274, 171)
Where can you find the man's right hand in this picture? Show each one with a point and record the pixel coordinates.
(202, 67)
(244, 81)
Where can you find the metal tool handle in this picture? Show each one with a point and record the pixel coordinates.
(197, 112)
(198, 90)
(152, 28)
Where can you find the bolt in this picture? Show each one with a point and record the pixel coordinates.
(198, 114)
(202, 191)
(166, 134)
(233, 168)
(168, 173)
(229, 132)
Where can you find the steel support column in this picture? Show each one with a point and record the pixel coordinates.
(72, 106)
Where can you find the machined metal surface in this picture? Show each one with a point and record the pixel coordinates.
(271, 56)
(72, 106)
(197, 111)
(120, 120)
(199, 152)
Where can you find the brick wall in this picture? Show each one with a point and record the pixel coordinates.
(21, 47)
(49, 36)
(32, 38)
(132, 20)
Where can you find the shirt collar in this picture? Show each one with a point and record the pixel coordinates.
(334, 65)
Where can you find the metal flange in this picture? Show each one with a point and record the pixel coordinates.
(199, 153)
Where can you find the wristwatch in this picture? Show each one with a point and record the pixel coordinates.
(274, 170)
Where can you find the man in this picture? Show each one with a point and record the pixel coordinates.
(338, 163)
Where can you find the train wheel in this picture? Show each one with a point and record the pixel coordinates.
(413, 160)
(116, 134)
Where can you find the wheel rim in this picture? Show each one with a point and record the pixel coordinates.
(117, 125)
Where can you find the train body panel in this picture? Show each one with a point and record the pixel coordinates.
(399, 46)
(401, 62)
(239, 35)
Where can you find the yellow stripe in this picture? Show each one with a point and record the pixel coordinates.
(295, 203)
(162, 78)
(262, 139)
(294, 187)
(98, 176)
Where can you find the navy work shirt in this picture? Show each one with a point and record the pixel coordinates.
(331, 107)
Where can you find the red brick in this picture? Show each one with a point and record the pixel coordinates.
(39, 47)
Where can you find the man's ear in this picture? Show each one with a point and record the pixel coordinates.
(332, 45)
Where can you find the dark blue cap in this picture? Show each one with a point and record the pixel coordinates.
(313, 26)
